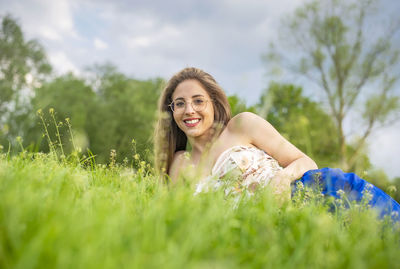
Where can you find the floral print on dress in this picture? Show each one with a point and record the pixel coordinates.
(240, 169)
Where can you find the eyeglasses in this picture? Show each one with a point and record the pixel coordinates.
(198, 104)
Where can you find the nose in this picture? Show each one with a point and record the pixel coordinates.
(189, 108)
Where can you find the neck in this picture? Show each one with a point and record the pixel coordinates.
(201, 144)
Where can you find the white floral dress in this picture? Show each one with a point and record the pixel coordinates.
(240, 169)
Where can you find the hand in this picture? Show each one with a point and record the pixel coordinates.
(280, 186)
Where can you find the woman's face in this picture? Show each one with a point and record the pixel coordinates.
(193, 108)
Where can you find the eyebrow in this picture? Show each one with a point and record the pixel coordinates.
(194, 96)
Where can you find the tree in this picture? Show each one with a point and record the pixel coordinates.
(69, 97)
(126, 110)
(237, 105)
(300, 120)
(328, 42)
(107, 111)
(23, 66)
(396, 190)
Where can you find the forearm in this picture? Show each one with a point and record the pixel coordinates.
(297, 168)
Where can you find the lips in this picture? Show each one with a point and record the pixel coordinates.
(191, 122)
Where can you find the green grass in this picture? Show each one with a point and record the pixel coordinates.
(59, 215)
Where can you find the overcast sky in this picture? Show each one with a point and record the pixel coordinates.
(147, 39)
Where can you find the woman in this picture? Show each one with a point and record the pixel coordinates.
(194, 110)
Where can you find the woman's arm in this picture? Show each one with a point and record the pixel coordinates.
(176, 165)
(260, 133)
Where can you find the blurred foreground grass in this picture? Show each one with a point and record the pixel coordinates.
(59, 215)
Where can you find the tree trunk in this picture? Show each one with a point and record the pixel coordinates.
(342, 145)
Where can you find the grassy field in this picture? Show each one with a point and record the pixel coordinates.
(57, 214)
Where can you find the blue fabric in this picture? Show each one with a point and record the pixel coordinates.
(329, 181)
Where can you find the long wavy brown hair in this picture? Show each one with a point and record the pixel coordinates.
(168, 138)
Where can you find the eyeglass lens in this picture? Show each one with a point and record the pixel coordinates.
(197, 104)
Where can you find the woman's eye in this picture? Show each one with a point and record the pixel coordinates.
(179, 104)
(198, 101)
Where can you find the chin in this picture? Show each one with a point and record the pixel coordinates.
(193, 134)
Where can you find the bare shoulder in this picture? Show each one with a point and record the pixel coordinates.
(245, 121)
(177, 163)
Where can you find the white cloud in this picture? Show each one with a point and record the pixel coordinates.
(139, 41)
(49, 33)
(61, 63)
(100, 44)
(157, 38)
(52, 20)
(59, 15)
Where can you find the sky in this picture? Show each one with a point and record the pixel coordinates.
(147, 39)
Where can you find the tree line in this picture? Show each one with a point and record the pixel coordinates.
(109, 110)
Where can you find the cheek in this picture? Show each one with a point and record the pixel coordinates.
(176, 120)
(210, 116)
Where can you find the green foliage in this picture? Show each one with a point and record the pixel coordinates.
(119, 111)
(126, 109)
(56, 215)
(68, 97)
(111, 112)
(394, 188)
(330, 44)
(379, 178)
(237, 105)
(108, 113)
(302, 121)
(23, 66)
(379, 107)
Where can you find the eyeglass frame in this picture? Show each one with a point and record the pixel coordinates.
(191, 104)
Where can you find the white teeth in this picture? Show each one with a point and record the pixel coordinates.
(192, 121)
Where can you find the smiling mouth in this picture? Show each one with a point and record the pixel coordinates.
(191, 122)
